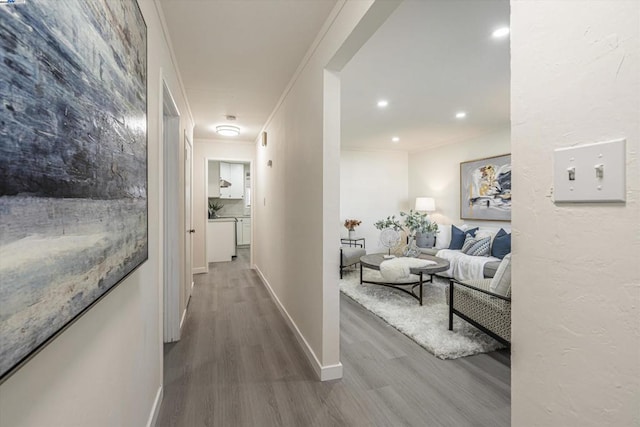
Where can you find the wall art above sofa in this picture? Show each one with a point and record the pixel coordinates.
(485, 189)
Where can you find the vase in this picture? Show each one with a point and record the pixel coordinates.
(352, 234)
(411, 250)
(425, 240)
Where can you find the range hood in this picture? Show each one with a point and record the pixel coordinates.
(224, 183)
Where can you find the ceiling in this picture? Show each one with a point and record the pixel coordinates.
(430, 59)
(236, 57)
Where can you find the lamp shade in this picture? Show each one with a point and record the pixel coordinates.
(425, 204)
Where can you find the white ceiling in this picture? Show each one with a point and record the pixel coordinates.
(237, 56)
(430, 59)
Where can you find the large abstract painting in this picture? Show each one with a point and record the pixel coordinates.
(485, 189)
(73, 163)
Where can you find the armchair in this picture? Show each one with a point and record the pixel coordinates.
(485, 303)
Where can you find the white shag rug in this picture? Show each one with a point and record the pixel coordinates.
(428, 325)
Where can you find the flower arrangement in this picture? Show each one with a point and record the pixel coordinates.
(417, 222)
(389, 222)
(213, 208)
(351, 224)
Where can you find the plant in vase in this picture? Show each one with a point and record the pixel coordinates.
(420, 228)
(351, 224)
(214, 207)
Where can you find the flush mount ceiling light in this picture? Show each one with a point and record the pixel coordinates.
(500, 32)
(383, 103)
(228, 130)
(461, 115)
(395, 139)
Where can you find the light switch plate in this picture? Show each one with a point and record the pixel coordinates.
(590, 173)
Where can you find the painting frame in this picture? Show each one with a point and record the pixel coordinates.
(485, 189)
(119, 118)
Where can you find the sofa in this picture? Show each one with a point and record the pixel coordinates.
(474, 252)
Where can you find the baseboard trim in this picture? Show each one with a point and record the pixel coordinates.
(155, 410)
(323, 373)
(199, 270)
(184, 316)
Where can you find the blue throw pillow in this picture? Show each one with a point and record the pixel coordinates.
(458, 236)
(501, 244)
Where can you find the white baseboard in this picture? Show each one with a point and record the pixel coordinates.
(323, 373)
(199, 270)
(155, 410)
(184, 316)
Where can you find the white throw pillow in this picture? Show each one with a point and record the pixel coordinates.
(443, 238)
(501, 282)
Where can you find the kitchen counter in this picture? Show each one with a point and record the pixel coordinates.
(223, 219)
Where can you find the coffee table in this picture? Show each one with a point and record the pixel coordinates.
(373, 262)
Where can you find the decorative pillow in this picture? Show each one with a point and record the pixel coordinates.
(476, 246)
(501, 282)
(443, 238)
(458, 236)
(501, 244)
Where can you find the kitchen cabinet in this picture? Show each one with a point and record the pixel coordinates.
(234, 174)
(243, 231)
(213, 179)
(221, 239)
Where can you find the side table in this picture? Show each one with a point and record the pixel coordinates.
(355, 242)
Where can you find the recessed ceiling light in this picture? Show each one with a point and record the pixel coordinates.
(395, 139)
(500, 32)
(383, 103)
(461, 115)
(228, 130)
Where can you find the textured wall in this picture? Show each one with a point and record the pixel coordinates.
(576, 275)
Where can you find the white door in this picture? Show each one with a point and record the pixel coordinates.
(188, 220)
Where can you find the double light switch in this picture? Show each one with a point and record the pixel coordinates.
(590, 173)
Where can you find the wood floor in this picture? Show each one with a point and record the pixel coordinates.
(238, 364)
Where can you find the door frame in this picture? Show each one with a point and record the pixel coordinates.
(171, 259)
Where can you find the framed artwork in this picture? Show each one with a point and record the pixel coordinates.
(485, 189)
(73, 164)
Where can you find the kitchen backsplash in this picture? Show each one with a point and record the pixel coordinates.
(232, 207)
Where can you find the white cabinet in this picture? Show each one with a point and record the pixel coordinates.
(221, 240)
(234, 174)
(213, 178)
(243, 231)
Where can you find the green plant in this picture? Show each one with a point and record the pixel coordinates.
(215, 206)
(389, 222)
(417, 222)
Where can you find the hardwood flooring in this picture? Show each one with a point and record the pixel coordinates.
(238, 364)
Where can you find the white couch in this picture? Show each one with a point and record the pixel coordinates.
(463, 266)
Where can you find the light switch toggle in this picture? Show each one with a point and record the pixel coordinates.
(599, 171)
(572, 173)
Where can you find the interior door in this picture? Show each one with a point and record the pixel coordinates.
(188, 219)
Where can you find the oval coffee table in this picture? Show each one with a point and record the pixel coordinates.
(373, 262)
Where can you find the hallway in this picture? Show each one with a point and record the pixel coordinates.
(238, 364)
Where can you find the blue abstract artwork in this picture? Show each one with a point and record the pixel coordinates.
(485, 189)
(73, 163)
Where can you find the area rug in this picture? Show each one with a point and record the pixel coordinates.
(427, 325)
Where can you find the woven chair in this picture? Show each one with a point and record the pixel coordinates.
(485, 303)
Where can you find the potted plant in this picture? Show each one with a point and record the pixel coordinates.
(214, 207)
(419, 226)
(351, 224)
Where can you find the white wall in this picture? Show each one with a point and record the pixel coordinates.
(296, 209)
(576, 277)
(204, 149)
(106, 369)
(436, 173)
(373, 185)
